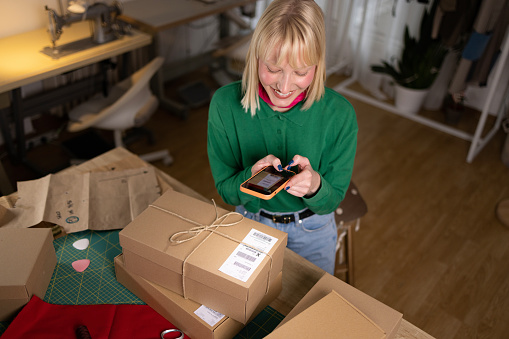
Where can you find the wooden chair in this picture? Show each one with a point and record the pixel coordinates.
(348, 215)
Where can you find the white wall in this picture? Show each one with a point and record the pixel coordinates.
(21, 16)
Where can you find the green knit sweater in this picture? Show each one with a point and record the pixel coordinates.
(326, 134)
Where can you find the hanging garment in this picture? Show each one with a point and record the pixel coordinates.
(489, 19)
(453, 19)
(492, 50)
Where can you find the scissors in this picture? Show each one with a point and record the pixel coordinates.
(163, 333)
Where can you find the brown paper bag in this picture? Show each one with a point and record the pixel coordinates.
(92, 200)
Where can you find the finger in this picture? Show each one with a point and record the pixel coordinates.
(300, 184)
(277, 164)
(296, 191)
(298, 160)
(269, 160)
(290, 164)
(293, 162)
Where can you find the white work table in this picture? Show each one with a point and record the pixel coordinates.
(23, 63)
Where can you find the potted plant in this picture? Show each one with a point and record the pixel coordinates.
(418, 65)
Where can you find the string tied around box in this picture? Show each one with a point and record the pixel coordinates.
(219, 221)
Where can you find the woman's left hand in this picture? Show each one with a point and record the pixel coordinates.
(306, 182)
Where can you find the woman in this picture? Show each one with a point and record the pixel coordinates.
(297, 124)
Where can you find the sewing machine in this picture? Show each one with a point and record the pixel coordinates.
(104, 25)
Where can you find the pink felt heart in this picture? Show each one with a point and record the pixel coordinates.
(81, 265)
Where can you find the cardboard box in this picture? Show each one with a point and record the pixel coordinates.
(330, 317)
(180, 311)
(385, 317)
(149, 253)
(27, 261)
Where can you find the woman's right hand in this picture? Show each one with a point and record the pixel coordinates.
(269, 160)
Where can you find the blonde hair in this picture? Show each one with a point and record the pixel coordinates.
(297, 29)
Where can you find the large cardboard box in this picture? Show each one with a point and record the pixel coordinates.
(384, 316)
(181, 312)
(27, 261)
(330, 317)
(210, 267)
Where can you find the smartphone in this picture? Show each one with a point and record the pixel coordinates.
(266, 183)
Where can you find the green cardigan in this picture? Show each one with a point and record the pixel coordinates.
(326, 134)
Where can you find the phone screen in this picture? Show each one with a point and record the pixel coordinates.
(268, 180)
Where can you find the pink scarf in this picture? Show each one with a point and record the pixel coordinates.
(265, 97)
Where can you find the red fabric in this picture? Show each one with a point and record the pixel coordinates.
(40, 320)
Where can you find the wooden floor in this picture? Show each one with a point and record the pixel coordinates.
(430, 246)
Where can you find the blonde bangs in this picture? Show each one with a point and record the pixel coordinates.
(298, 37)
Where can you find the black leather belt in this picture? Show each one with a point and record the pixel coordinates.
(286, 218)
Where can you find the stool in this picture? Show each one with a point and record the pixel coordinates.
(350, 210)
(502, 211)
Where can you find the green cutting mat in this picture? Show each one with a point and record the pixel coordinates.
(98, 285)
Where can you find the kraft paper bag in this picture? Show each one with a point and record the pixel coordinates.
(91, 200)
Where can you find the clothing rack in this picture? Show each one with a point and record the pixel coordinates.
(477, 140)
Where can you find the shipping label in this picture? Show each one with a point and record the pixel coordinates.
(208, 315)
(244, 260)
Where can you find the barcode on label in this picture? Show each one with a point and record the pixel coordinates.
(247, 268)
(262, 236)
(215, 313)
(246, 256)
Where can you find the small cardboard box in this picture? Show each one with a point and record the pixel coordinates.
(181, 312)
(385, 317)
(27, 261)
(195, 265)
(330, 317)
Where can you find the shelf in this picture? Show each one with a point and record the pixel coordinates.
(344, 88)
(480, 137)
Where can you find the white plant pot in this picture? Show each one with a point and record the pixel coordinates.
(408, 100)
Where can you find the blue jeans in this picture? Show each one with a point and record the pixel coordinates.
(313, 238)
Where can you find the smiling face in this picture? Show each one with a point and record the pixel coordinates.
(284, 82)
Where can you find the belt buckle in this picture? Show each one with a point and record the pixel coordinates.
(284, 219)
(287, 219)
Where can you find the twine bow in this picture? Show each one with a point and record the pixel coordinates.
(211, 228)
